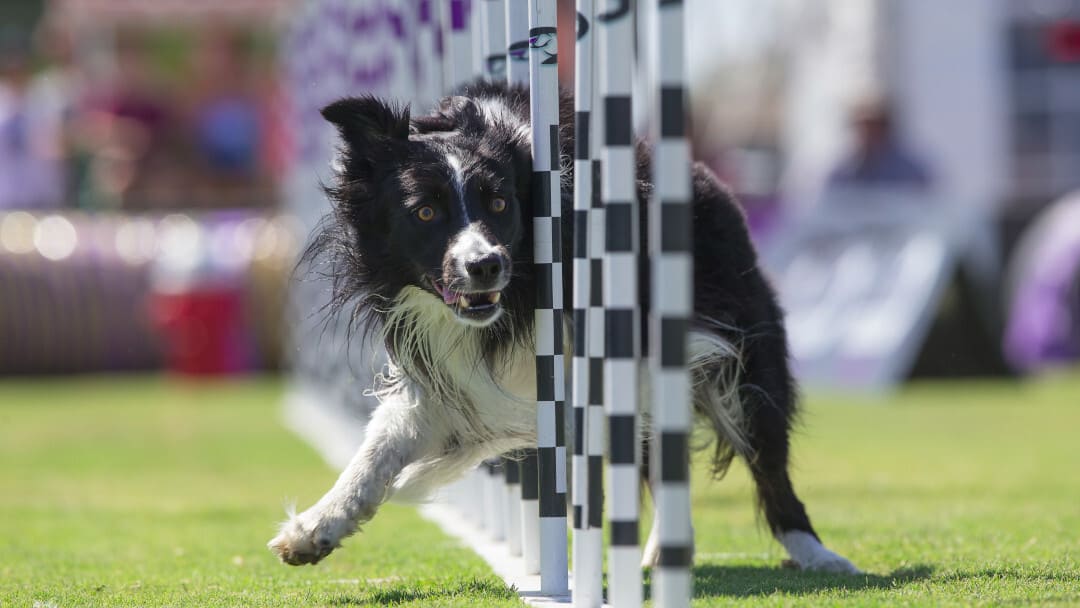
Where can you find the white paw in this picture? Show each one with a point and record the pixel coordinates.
(308, 537)
(827, 561)
(809, 554)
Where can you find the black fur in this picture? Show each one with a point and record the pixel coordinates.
(388, 159)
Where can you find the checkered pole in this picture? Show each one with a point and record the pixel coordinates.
(588, 542)
(517, 72)
(493, 42)
(512, 505)
(672, 306)
(615, 49)
(550, 383)
(517, 41)
(596, 418)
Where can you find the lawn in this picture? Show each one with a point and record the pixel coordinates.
(149, 492)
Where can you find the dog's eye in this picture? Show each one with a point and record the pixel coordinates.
(498, 205)
(425, 213)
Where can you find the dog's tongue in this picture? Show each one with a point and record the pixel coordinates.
(448, 296)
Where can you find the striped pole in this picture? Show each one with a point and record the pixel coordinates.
(596, 418)
(517, 42)
(672, 306)
(588, 541)
(517, 72)
(530, 512)
(547, 260)
(615, 32)
(512, 504)
(493, 42)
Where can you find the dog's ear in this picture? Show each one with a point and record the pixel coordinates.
(456, 113)
(365, 121)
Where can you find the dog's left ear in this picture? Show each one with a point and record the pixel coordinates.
(367, 121)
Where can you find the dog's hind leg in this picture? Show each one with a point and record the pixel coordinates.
(390, 443)
(769, 402)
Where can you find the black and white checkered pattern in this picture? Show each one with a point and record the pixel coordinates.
(547, 258)
(588, 429)
(671, 259)
(615, 51)
(517, 72)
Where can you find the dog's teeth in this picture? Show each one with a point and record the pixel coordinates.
(495, 298)
(463, 302)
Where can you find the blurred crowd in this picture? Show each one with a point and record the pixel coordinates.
(167, 119)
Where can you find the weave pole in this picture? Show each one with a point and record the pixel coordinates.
(615, 51)
(588, 443)
(493, 41)
(672, 306)
(518, 73)
(458, 64)
(547, 260)
(615, 31)
(429, 85)
(517, 42)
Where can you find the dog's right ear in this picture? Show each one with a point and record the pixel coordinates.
(367, 120)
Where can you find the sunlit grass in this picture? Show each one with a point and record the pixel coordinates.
(146, 492)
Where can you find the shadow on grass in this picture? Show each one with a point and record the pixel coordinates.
(425, 594)
(711, 580)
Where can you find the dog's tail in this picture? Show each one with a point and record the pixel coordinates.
(716, 372)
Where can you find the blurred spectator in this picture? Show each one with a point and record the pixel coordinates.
(57, 92)
(129, 128)
(31, 170)
(227, 117)
(880, 158)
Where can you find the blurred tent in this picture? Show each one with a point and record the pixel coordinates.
(879, 286)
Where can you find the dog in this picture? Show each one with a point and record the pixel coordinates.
(430, 243)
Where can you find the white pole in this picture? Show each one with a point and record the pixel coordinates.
(493, 47)
(457, 43)
(517, 41)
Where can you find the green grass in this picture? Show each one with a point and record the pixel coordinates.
(146, 492)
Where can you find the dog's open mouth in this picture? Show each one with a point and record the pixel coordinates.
(478, 306)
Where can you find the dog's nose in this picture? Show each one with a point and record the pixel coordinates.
(485, 268)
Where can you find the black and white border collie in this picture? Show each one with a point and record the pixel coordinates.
(430, 238)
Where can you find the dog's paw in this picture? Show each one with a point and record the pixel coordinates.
(807, 553)
(306, 540)
(825, 560)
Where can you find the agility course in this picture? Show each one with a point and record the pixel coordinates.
(522, 500)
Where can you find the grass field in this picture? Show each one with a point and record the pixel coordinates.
(146, 492)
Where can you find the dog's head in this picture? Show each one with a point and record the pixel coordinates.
(436, 203)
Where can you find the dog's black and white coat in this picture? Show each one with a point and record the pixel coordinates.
(431, 238)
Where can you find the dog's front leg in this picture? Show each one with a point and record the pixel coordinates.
(390, 443)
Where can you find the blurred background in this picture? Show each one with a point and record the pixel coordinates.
(907, 174)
